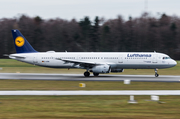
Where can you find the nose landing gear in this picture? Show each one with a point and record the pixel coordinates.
(156, 74)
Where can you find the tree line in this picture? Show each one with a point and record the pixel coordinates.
(141, 34)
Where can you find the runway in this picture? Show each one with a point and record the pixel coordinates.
(104, 92)
(80, 77)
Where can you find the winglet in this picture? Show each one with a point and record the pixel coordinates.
(20, 42)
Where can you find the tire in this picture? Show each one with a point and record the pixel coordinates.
(96, 74)
(156, 74)
(86, 74)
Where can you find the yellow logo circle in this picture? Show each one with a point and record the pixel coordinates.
(19, 41)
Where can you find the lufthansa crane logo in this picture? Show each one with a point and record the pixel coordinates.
(19, 41)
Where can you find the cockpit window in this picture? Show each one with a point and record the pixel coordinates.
(166, 58)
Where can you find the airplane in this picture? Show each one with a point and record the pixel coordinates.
(95, 62)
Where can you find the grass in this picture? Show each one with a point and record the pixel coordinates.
(13, 66)
(13, 63)
(90, 85)
(89, 107)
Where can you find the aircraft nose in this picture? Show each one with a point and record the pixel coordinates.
(173, 63)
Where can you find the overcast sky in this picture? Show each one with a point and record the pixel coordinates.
(68, 9)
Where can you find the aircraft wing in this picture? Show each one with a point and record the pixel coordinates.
(81, 63)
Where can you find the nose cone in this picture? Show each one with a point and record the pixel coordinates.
(173, 63)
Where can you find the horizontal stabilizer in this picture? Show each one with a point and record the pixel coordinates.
(17, 57)
(6, 55)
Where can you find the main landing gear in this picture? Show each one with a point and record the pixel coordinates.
(156, 74)
(86, 74)
(95, 74)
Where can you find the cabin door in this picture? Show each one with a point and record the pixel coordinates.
(79, 57)
(35, 61)
(154, 60)
(120, 59)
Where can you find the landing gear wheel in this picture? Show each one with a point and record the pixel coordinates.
(86, 74)
(156, 74)
(96, 74)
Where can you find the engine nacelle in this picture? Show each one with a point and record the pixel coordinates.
(117, 70)
(101, 69)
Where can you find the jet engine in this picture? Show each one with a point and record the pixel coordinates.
(117, 70)
(101, 69)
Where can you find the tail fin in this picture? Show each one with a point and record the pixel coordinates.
(20, 42)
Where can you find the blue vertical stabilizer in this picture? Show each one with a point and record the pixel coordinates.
(20, 42)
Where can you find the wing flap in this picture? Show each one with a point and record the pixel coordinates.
(80, 62)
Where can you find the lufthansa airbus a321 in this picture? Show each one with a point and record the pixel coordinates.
(96, 62)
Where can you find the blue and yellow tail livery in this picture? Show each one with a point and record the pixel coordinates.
(21, 44)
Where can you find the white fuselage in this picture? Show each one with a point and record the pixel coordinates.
(116, 60)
